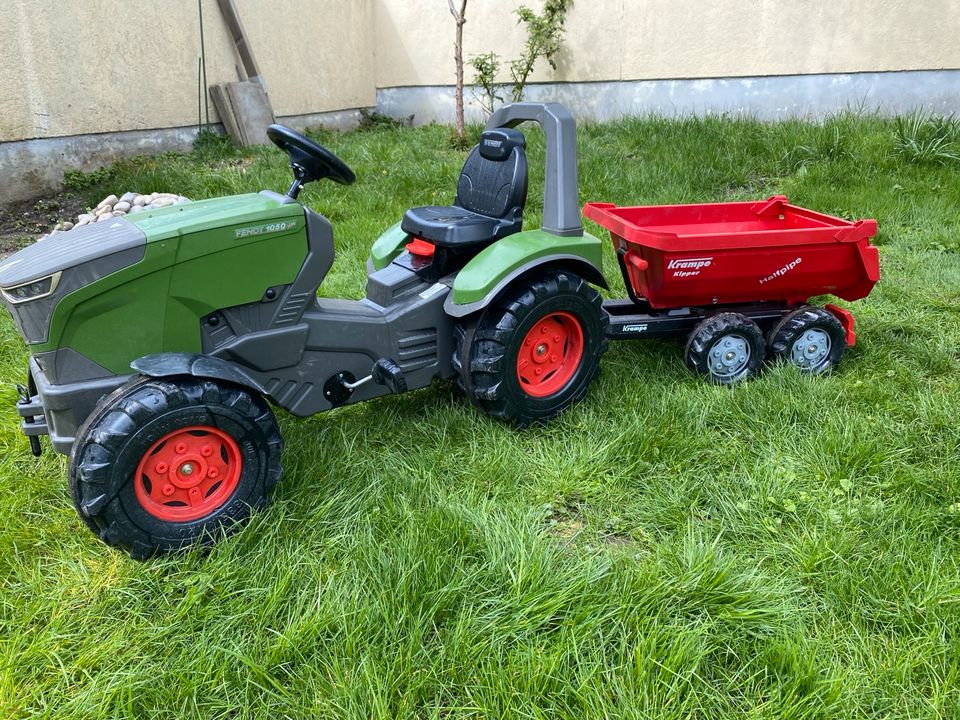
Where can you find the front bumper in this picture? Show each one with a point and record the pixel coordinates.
(59, 410)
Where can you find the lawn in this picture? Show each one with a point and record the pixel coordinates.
(789, 548)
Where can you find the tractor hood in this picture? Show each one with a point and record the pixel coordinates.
(67, 249)
(33, 280)
(204, 215)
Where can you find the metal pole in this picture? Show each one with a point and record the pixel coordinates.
(203, 64)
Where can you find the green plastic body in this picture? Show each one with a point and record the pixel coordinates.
(199, 258)
(386, 247)
(483, 275)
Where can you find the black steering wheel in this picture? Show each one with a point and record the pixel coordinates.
(309, 160)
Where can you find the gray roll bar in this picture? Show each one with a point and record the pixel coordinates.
(561, 198)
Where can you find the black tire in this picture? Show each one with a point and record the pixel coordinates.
(486, 355)
(726, 348)
(130, 422)
(811, 339)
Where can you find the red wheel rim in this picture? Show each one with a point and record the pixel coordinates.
(188, 474)
(550, 354)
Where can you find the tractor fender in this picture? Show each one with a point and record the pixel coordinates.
(574, 263)
(502, 262)
(197, 365)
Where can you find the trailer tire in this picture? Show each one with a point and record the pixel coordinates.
(810, 338)
(726, 348)
(128, 492)
(493, 358)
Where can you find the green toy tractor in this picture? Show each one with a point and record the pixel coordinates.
(159, 377)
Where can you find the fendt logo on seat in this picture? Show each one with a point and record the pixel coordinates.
(688, 267)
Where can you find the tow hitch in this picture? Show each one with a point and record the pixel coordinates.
(30, 409)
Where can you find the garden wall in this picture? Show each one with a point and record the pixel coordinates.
(83, 82)
(769, 58)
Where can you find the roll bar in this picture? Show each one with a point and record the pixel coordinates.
(561, 196)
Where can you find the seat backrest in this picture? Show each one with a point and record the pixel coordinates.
(493, 181)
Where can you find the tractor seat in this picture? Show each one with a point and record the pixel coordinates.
(491, 193)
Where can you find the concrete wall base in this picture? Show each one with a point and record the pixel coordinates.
(767, 98)
(31, 168)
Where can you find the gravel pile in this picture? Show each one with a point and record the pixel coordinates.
(113, 206)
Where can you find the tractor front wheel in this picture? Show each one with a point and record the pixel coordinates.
(535, 350)
(162, 464)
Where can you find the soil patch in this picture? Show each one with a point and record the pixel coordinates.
(23, 222)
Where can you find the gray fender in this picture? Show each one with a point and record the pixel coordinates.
(197, 365)
(572, 263)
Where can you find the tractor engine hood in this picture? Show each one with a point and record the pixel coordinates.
(33, 280)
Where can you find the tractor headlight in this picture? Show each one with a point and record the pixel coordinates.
(33, 290)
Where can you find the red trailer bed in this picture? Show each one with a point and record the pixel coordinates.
(744, 252)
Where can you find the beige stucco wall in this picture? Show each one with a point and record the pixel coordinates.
(91, 66)
(666, 39)
(88, 66)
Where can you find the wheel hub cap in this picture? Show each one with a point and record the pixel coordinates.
(811, 350)
(729, 356)
(550, 354)
(188, 474)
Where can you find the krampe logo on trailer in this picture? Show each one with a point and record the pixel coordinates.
(688, 267)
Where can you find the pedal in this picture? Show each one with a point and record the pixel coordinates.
(387, 372)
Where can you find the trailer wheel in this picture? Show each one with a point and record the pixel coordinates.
(164, 463)
(535, 350)
(810, 338)
(726, 348)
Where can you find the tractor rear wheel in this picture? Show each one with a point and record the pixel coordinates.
(535, 350)
(810, 338)
(164, 463)
(726, 348)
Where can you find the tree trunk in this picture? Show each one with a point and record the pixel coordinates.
(460, 18)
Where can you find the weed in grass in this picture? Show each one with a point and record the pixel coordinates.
(668, 549)
(925, 138)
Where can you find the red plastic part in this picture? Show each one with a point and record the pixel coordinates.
(847, 320)
(188, 474)
(550, 354)
(421, 248)
(740, 252)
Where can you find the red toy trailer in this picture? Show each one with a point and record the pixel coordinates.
(730, 271)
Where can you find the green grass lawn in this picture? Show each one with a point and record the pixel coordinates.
(789, 548)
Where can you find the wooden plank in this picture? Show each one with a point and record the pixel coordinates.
(245, 110)
(235, 27)
(222, 103)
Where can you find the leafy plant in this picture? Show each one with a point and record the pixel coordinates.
(372, 120)
(213, 145)
(78, 181)
(925, 138)
(486, 67)
(544, 38)
(829, 145)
